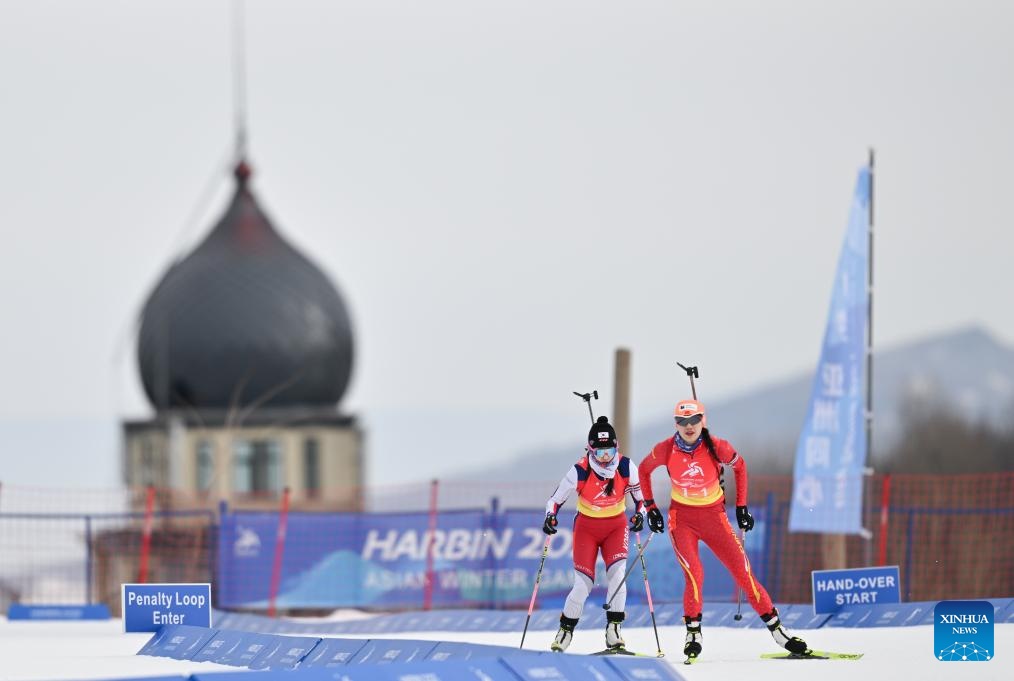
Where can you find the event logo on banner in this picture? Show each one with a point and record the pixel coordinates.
(827, 489)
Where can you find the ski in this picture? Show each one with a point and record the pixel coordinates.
(622, 651)
(812, 655)
(690, 659)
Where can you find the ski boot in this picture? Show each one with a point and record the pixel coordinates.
(793, 644)
(565, 635)
(614, 640)
(692, 648)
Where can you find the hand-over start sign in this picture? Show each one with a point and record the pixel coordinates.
(857, 586)
(149, 607)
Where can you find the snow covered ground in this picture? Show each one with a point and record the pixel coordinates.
(72, 651)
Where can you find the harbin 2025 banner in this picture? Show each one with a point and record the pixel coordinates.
(479, 559)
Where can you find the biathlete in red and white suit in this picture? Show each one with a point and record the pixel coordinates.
(602, 479)
(693, 460)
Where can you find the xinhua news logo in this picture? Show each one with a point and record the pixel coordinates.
(963, 631)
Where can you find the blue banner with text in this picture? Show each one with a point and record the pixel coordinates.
(827, 485)
(479, 559)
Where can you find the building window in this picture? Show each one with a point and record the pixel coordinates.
(147, 467)
(256, 466)
(311, 466)
(205, 466)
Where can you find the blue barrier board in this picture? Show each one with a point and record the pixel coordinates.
(834, 589)
(1007, 615)
(178, 641)
(285, 653)
(333, 652)
(799, 617)
(511, 621)
(244, 675)
(1000, 605)
(482, 669)
(553, 667)
(643, 668)
(147, 607)
(153, 678)
(721, 615)
(591, 667)
(485, 669)
(248, 648)
(895, 614)
(392, 650)
(17, 611)
(850, 616)
(669, 615)
(542, 667)
(222, 642)
(454, 650)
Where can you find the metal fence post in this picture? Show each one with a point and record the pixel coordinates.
(769, 513)
(492, 527)
(908, 554)
(88, 559)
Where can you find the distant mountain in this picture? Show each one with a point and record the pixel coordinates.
(965, 370)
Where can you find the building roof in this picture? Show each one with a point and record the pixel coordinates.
(244, 321)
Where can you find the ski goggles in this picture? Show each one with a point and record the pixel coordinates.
(603, 455)
(689, 420)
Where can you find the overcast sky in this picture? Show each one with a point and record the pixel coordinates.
(504, 192)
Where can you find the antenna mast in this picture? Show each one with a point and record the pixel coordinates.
(239, 77)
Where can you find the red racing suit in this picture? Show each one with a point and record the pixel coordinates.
(601, 523)
(697, 513)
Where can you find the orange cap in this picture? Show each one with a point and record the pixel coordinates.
(688, 408)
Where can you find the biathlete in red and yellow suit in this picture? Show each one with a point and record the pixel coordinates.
(602, 479)
(693, 460)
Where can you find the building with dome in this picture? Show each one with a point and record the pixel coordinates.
(245, 350)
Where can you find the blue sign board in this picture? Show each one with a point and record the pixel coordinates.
(833, 589)
(57, 612)
(149, 607)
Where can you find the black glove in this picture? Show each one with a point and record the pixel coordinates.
(744, 519)
(549, 527)
(637, 522)
(655, 521)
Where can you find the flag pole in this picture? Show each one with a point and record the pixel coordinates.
(868, 534)
(869, 320)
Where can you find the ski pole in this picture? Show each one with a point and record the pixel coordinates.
(739, 590)
(640, 553)
(538, 576)
(647, 591)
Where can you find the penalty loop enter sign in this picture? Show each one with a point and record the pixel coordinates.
(149, 607)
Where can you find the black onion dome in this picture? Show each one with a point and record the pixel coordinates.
(244, 320)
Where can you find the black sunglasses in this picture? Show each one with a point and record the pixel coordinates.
(689, 420)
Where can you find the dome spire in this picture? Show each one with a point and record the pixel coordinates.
(239, 83)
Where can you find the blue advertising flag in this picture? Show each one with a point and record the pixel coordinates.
(827, 487)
